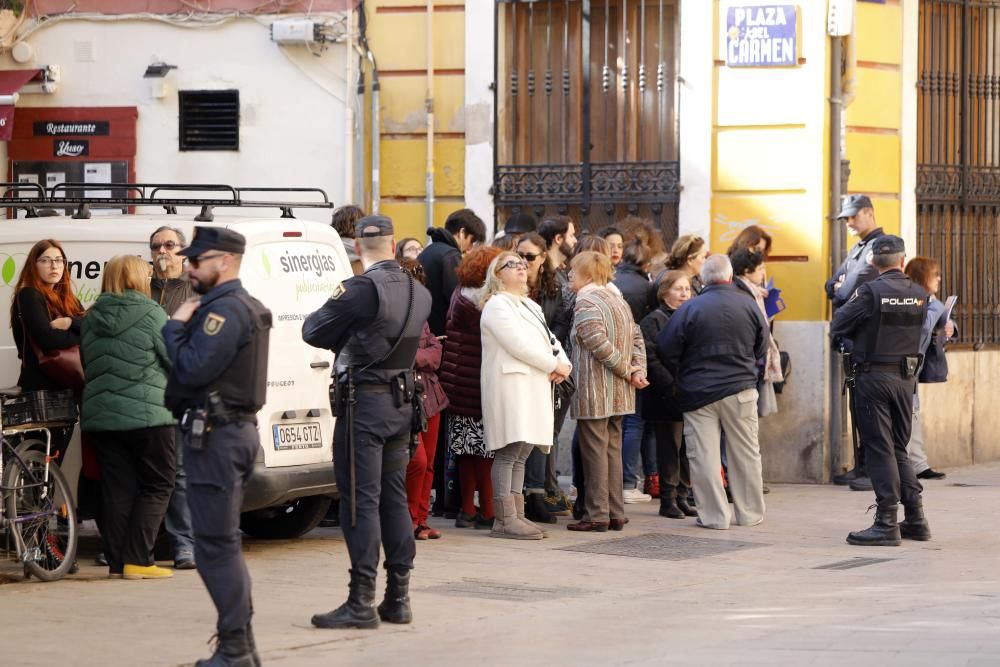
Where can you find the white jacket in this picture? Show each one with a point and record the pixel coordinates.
(518, 356)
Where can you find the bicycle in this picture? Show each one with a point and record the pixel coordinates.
(37, 509)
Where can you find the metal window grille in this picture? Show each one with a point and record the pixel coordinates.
(209, 120)
(958, 168)
(587, 110)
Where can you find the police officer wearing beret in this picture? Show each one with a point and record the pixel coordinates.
(373, 323)
(884, 320)
(858, 214)
(218, 347)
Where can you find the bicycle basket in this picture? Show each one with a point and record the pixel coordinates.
(39, 407)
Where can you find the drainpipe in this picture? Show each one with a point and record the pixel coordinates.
(376, 137)
(430, 114)
(836, 242)
(349, 118)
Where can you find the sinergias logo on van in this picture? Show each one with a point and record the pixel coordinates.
(315, 263)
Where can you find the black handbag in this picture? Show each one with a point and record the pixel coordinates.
(935, 367)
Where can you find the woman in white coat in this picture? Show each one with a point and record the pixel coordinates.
(521, 360)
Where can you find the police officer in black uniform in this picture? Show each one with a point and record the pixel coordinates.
(858, 214)
(373, 323)
(884, 321)
(218, 347)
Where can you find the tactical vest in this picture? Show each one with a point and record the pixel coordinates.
(398, 294)
(243, 384)
(893, 330)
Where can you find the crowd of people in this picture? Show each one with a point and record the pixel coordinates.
(664, 357)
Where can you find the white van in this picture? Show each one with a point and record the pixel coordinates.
(292, 266)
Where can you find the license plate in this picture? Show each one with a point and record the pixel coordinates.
(298, 435)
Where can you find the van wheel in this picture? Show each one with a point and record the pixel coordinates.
(286, 522)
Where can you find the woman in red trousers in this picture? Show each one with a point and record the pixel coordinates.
(420, 471)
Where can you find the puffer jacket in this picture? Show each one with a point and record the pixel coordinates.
(125, 364)
(463, 355)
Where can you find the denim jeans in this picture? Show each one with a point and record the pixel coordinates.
(632, 437)
(649, 466)
(178, 518)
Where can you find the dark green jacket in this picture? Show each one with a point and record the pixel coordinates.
(125, 363)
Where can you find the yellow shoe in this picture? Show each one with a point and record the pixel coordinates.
(147, 572)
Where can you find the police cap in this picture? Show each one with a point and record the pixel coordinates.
(373, 225)
(888, 245)
(853, 204)
(215, 238)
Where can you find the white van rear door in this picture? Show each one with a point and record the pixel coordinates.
(293, 269)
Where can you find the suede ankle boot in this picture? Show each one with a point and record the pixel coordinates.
(884, 532)
(914, 525)
(507, 524)
(357, 612)
(231, 650)
(395, 607)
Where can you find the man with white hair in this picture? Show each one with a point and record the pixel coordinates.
(712, 345)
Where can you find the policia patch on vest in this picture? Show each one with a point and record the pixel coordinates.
(213, 324)
(338, 291)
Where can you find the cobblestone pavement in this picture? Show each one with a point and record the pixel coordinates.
(787, 592)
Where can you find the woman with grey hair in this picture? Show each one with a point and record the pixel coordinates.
(521, 360)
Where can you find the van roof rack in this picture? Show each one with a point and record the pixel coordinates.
(30, 197)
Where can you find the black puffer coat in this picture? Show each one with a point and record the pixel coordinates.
(463, 357)
(658, 401)
(633, 283)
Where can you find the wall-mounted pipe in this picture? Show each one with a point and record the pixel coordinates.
(836, 245)
(430, 114)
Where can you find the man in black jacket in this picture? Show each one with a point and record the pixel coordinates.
(462, 230)
(711, 345)
(170, 287)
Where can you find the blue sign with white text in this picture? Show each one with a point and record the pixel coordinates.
(761, 36)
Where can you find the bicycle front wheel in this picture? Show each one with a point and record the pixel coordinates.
(42, 514)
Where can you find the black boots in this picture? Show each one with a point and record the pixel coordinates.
(846, 478)
(357, 612)
(232, 650)
(535, 511)
(883, 532)
(914, 526)
(252, 645)
(670, 508)
(682, 504)
(395, 608)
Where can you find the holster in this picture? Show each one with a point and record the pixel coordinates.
(910, 366)
(336, 398)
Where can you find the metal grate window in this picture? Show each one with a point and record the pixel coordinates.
(209, 120)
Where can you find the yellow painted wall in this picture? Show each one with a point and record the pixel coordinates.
(769, 166)
(397, 33)
(874, 116)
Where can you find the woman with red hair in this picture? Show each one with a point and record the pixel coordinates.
(45, 315)
(45, 310)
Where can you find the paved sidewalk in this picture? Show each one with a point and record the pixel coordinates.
(787, 592)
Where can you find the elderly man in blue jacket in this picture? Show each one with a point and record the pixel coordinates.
(712, 344)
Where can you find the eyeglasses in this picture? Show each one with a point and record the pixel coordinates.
(195, 261)
(514, 264)
(529, 256)
(168, 245)
(52, 261)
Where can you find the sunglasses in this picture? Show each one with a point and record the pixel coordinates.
(514, 264)
(169, 245)
(195, 261)
(529, 256)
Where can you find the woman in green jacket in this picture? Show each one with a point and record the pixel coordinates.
(125, 364)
